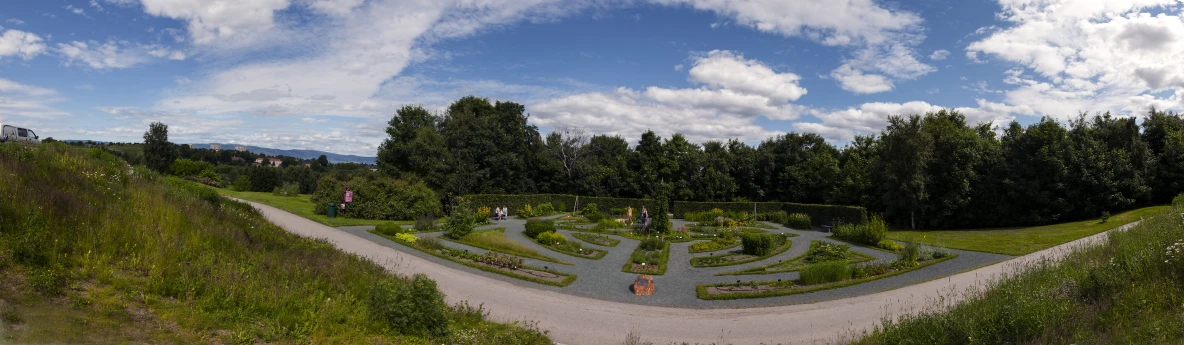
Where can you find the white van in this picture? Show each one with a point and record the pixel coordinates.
(17, 134)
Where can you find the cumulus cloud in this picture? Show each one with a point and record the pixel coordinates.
(870, 118)
(238, 22)
(20, 44)
(113, 54)
(886, 38)
(940, 54)
(733, 92)
(1090, 55)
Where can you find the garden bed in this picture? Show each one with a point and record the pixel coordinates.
(496, 240)
(527, 273)
(752, 289)
(713, 245)
(662, 256)
(587, 253)
(735, 258)
(799, 262)
(599, 240)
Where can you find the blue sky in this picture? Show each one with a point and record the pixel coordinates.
(328, 74)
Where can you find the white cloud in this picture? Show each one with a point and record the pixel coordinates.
(19, 43)
(113, 54)
(734, 92)
(28, 101)
(940, 54)
(886, 37)
(855, 81)
(1091, 55)
(15, 21)
(95, 4)
(237, 22)
(76, 10)
(871, 118)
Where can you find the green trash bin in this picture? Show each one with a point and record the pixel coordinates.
(331, 212)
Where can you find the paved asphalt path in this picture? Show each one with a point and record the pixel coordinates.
(572, 319)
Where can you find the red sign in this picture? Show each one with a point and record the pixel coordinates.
(349, 196)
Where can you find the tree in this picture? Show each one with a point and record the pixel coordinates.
(567, 144)
(906, 151)
(323, 161)
(159, 153)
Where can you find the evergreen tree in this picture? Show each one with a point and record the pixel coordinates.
(159, 153)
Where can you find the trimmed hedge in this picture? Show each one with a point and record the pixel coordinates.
(561, 202)
(819, 214)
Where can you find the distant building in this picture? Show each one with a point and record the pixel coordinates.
(307, 165)
(258, 160)
(240, 148)
(215, 147)
(237, 159)
(276, 162)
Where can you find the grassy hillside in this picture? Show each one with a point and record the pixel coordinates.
(301, 205)
(93, 251)
(1129, 290)
(1020, 241)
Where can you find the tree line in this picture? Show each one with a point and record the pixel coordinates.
(930, 170)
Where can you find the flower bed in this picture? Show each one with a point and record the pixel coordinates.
(495, 240)
(753, 289)
(600, 240)
(507, 265)
(735, 258)
(819, 252)
(650, 259)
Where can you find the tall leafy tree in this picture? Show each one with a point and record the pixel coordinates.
(159, 153)
(906, 152)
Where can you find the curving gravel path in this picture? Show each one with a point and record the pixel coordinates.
(570, 317)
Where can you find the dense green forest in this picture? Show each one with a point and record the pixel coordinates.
(934, 169)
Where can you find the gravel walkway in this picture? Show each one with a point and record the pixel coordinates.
(602, 279)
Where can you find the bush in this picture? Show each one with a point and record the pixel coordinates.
(910, 254)
(828, 272)
(460, 223)
(526, 211)
(551, 238)
(798, 221)
(536, 227)
(414, 308)
(425, 223)
(184, 167)
(1105, 216)
(868, 234)
(409, 238)
(544, 209)
(609, 224)
(871, 269)
(561, 206)
(243, 184)
(389, 229)
(652, 244)
(760, 244)
(890, 245)
(49, 281)
(378, 197)
(823, 251)
(591, 212)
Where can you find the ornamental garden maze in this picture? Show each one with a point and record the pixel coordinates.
(698, 255)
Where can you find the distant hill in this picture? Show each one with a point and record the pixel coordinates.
(303, 154)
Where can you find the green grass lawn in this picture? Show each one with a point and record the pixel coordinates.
(1020, 241)
(302, 206)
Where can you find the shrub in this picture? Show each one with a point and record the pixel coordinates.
(378, 197)
(646, 257)
(430, 243)
(460, 223)
(526, 211)
(828, 272)
(551, 238)
(1105, 216)
(415, 308)
(243, 183)
(876, 230)
(561, 206)
(591, 212)
(184, 167)
(425, 223)
(868, 234)
(760, 244)
(798, 221)
(871, 269)
(610, 224)
(661, 212)
(409, 238)
(822, 252)
(544, 209)
(652, 244)
(891, 245)
(484, 211)
(389, 229)
(49, 281)
(536, 227)
(910, 253)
